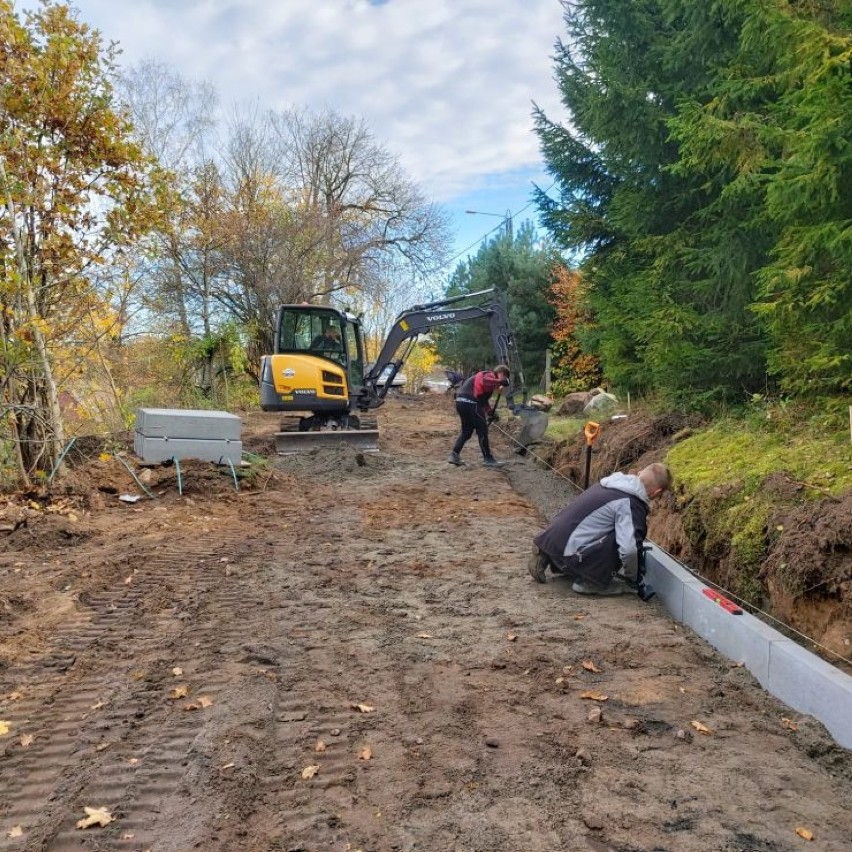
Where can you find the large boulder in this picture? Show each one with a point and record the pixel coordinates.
(600, 403)
(541, 402)
(573, 404)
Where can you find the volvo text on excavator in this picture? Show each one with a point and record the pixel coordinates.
(319, 375)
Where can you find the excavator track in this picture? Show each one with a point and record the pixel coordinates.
(290, 440)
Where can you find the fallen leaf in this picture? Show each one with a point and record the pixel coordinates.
(579, 617)
(16, 696)
(424, 636)
(804, 833)
(98, 705)
(511, 636)
(205, 701)
(702, 729)
(95, 816)
(320, 746)
(309, 771)
(27, 740)
(128, 580)
(101, 747)
(177, 671)
(104, 457)
(789, 724)
(16, 831)
(128, 836)
(365, 754)
(4, 728)
(362, 708)
(560, 680)
(594, 696)
(179, 692)
(133, 761)
(589, 666)
(227, 766)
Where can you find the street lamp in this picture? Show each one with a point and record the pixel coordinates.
(506, 217)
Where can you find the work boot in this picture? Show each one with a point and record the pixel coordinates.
(492, 462)
(454, 458)
(537, 565)
(615, 587)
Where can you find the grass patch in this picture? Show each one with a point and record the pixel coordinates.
(564, 428)
(738, 451)
(736, 474)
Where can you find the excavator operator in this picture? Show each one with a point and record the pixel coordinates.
(329, 340)
(476, 413)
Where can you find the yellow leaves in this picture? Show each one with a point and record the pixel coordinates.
(320, 746)
(104, 457)
(16, 696)
(362, 708)
(366, 753)
(701, 728)
(202, 702)
(27, 740)
(5, 727)
(95, 816)
(804, 833)
(589, 666)
(15, 831)
(309, 771)
(179, 692)
(592, 695)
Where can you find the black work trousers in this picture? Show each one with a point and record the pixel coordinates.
(473, 419)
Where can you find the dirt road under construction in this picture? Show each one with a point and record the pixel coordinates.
(349, 654)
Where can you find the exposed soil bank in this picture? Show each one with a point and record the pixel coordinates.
(800, 555)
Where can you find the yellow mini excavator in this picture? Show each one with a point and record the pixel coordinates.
(319, 375)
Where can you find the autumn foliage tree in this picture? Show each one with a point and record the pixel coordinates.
(75, 193)
(572, 368)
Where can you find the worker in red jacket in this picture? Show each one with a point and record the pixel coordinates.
(476, 412)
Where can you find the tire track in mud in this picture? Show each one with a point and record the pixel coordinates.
(88, 724)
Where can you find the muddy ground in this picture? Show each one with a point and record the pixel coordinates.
(348, 654)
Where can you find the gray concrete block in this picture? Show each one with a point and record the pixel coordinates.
(188, 423)
(802, 680)
(164, 449)
(741, 638)
(812, 686)
(668, 577)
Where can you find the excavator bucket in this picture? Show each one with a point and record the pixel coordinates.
(533, 426)
(288, 443)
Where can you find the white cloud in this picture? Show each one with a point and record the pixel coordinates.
(445, 84)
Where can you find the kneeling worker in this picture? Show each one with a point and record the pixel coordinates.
(598, 537)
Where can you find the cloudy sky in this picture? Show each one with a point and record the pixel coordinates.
(447, 85)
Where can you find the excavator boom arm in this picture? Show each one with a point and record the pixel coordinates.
(420, 319)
